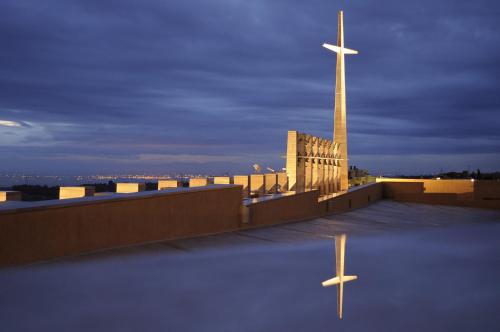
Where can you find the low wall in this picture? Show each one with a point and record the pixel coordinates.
(222, 180)
(167, 184)
(34, 231)
(43, 230)
(198, 182)
(282, 208)
(487, 191)
(257, 184)
(76, 192)
(243, 181)
(355, 198)
(271, 183)
(467, 193)
(130, 187)
(10, 196)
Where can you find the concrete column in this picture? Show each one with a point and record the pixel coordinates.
(10, 196)
(271, 183)
(297, 150)
(309, 172)
(198, 182)
(325, 177)
(315, 184)
(257, 185)
(330, 163)
(337, 177)
(76, 192)
(334, 186)
(301, 174)
(130, 187)
(243, 181)
(331, 175)
(222, 180)
(291, 158)
(321, 184)
(168, 184)
(326, 184)
(283, 182)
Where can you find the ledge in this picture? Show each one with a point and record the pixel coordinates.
(23, 206)
(270, 197)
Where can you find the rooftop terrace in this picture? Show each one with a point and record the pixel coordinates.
(420, 267)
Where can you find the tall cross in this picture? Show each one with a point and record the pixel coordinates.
(339, 122)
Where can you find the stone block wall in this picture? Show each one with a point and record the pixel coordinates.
(312, 163)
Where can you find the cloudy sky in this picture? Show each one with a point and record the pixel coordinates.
(213, 86)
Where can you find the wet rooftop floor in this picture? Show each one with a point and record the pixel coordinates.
(419, 267)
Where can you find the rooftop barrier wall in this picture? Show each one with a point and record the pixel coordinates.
(42, 230)
(466, 193)
(355, 198)
(282, 208)
(35, 231)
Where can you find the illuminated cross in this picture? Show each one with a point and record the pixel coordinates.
(339, 121)
(340, 279)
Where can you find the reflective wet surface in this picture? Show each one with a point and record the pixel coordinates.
(340, 278)
(438, 274)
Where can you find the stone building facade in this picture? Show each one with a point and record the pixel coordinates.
(312, 163)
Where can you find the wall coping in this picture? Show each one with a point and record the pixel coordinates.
(272, 197)
(24, 206)
(437, 180)
(363, 186)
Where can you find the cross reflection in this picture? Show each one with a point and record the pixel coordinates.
(340, 278)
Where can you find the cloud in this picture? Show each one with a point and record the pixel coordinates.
(106, 79)
(8, 123)
(186, 158)
(14, 134)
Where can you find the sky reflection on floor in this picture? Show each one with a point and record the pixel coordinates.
(430, 279)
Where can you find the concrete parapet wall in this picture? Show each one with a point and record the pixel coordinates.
(129, 187)
(487, 190)
(34, 231)
(198, 182)
(481, 194)
(429, 186)
(222, 180)
(282, 182)
(243, 181)
(76, 192)
(271, 183)
(168, 184)
(257, 184)
(10, 196)
(285, 208)
(355, 198)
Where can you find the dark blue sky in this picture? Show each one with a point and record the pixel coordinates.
(213, 86)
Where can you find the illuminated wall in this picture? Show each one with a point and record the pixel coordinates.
(312, 163)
